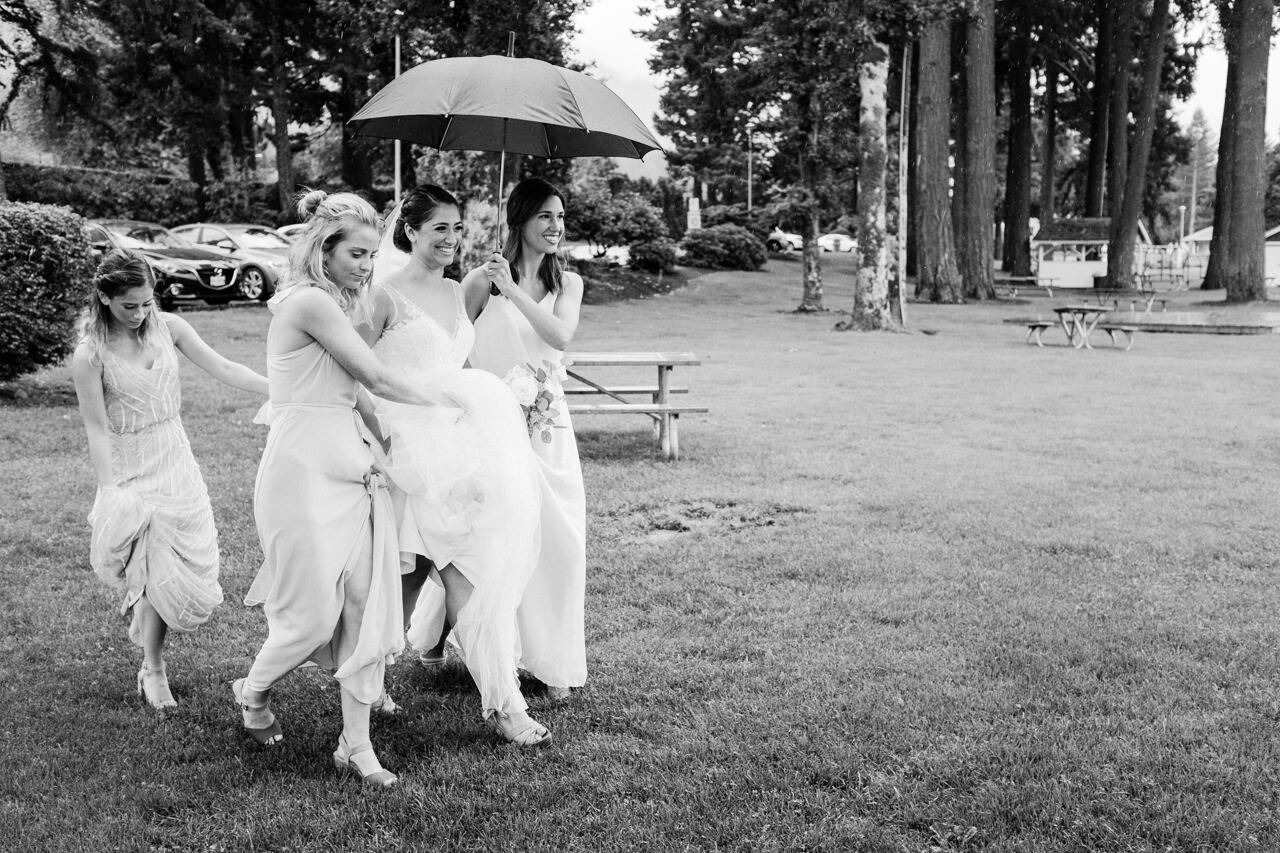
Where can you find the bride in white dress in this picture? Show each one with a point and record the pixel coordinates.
(467, 489)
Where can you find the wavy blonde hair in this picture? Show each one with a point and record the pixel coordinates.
(117, 273)
(329, 218)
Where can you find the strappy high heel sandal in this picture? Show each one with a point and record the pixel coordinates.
(153, 686)
(254, 717)
(363, 762)
(527, 733)
(384, 704)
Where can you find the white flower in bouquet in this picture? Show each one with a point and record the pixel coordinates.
(523, 384)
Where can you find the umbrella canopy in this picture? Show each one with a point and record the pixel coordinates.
(501, 103)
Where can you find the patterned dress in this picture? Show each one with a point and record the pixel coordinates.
(174, 557)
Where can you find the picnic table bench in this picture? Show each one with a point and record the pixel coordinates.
(1009, 284)
(1135, 294)
(658, 405)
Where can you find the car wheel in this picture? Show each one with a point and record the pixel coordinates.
(774, 246)
(252, 283)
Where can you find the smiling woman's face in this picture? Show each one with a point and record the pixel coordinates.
(543, 231)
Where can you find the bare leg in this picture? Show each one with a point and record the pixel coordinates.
(153, 630)
(355, 750)
(153, 682)
(411, 585)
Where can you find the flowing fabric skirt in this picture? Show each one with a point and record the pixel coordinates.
(171, 552)
(470, 497)
(330, 580)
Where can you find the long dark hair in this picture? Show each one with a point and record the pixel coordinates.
(522, 205)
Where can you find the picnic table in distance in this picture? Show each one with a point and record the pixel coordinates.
(655, 399)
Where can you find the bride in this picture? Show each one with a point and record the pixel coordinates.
(467, 491)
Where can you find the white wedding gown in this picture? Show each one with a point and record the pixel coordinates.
(467, 492)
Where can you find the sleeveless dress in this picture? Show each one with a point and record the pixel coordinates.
(330, 578)
(155, 534)
(551, 616)
(467, 492)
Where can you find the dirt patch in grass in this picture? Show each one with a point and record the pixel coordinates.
(664, 522)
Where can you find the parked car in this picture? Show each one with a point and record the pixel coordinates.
(836, 242)
(181, 268)
(290, 232)
(262, 254)
(783, 241)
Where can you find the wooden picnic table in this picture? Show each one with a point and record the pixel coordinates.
(658, 405)
(1078, 322)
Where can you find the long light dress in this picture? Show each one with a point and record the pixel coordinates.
(174, 557)
(468, 493)
(551, 616)
(330, 580)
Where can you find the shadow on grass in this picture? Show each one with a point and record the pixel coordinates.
(616, 446)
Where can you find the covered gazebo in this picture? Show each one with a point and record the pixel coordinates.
(1072, 251)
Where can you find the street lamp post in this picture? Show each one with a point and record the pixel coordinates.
(395, 168)
(1182, 213)
(749, 170)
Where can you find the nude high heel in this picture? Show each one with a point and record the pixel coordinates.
(363, 762)
(153, 685)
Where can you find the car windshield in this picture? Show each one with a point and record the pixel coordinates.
(149, 236)
(261, 238)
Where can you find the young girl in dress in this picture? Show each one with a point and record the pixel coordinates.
(153, 531)
(330, 579)
(469, 492)
(531, 322)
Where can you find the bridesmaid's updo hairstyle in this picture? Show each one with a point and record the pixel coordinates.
(118, 272)
(419, 205)
(329, 219)
(522, 205)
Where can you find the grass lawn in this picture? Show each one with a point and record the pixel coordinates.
(903, 592)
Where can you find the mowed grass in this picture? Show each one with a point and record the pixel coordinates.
(903, 592)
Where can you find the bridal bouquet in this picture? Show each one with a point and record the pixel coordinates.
(529, 385)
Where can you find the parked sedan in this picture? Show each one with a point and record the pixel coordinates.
(262, 254)
(783, 241)
(181, 268)
(837, 243)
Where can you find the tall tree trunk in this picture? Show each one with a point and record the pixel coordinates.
(871, 308)
(937, 276)
(1124, 14)
(1224, 173)
(4, 188)
(978, 226)
(1243, 266)
(357, 171)
(811, 300)
(1099, 122)
(1122, 249)
(913, 167)
(1017, 192)
(1049, 158)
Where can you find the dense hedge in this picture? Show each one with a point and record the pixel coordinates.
(103, 194)
(45, 270)
(657, 256)
(723, 246)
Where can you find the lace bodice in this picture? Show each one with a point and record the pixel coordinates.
(138, 398)
(416, 341)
